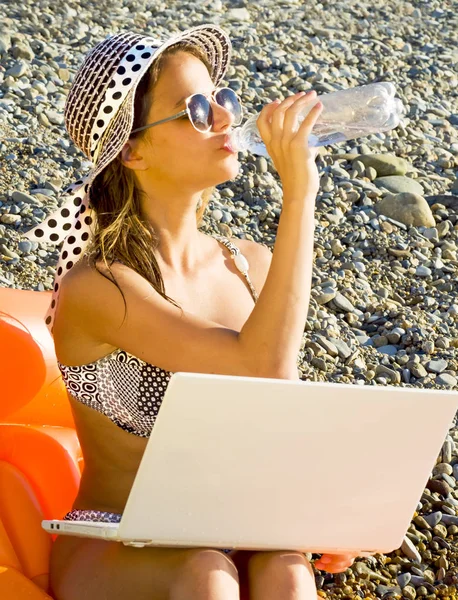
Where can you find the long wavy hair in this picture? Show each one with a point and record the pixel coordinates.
(122, 232)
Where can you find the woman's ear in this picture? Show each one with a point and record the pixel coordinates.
(132, 157)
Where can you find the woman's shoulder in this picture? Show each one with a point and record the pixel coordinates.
(91, 288)
(251, 248)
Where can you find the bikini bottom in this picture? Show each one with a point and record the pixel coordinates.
(101, 516)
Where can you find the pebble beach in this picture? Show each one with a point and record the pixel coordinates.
(384, 301)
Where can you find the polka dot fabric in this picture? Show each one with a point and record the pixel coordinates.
(99, 117)
(95, 516)
(124, 388)
(102, 516)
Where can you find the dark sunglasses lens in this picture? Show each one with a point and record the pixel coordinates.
(230, 101)
(201, 112)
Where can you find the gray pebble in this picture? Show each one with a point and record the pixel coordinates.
(343, 303)
(404, 579)
(446, 380)
(436, 366)
(25, 246)
(433, 519)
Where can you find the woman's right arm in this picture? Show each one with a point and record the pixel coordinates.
(276, 325)
(161, 334)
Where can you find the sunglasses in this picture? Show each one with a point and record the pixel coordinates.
(200, 112)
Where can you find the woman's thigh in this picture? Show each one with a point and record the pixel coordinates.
(98, 570)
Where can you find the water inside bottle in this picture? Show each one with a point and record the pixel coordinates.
(324, 140)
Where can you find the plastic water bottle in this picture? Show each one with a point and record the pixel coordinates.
(346, 115)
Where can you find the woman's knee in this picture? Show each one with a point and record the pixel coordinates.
(200, 563)
(285, 567)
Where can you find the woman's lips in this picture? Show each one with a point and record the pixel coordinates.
(227, 146)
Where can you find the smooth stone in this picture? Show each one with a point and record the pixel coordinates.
(328, 346)
(325, 296)
(388, 349)
(409, 549)
(54, 117)
(433, 519)
(261, 165)
(417, 370)
(25, 246)
(404, 579)
(7, 252)
(384, 590)
(447, 452)
(397, 184)
(22, 50)
(421, 522)
(18, 196)
(440, 530)
(394, 376)
(238, 14)
(446, 380)
(450, 520)
(227, 217)
(5, 42)
(17, 70)
(342, 348)
(451, 482)
(362, 569)
(409, 592)
(440, 487)
(436, 366)
(343, 303)
(432, 234)
(422, 271)
(385, 164)
(43, 192)
(336, 247)
(407, 208)
(224, 230)
(10, 219)
(417, 579)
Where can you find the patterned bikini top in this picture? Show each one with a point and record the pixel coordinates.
(124, 388)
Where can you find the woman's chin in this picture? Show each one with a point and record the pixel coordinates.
(232, 164)
(225, 170)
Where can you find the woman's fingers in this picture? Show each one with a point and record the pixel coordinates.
(278, 118)
(264, 121)
(335, 563)
(271, 118)
(308, 124)
(287, 145)
(290, 125)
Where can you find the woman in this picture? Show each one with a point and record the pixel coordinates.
(140, 293)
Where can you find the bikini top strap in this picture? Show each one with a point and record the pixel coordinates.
(240, 262)
(239, 259)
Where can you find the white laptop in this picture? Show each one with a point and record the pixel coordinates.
(268, 464)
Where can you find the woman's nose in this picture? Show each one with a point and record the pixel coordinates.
(222, 117)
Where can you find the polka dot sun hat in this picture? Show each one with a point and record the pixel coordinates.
(99, 114)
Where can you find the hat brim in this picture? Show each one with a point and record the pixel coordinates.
(209, 38)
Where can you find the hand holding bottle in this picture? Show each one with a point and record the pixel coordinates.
(287, 143)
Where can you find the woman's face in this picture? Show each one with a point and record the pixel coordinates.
(175, 151)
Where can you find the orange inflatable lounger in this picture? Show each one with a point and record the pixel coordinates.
(40, 456)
